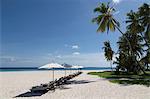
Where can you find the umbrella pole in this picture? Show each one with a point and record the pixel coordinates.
(65, 72)
(53, 74)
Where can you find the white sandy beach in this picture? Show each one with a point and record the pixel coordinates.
(86, 87)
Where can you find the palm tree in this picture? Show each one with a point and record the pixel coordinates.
(105, 20)
(120, 62)
(146, 60)
(139, 22)
(130, 63)
(144, 13)
(134, 24)
(108, 52)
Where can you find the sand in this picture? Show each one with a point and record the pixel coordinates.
(85, 87)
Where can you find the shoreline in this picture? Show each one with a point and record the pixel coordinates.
(17, 69)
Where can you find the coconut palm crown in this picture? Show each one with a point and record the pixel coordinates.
(105, 18)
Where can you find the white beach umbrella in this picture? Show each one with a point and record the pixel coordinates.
(77, 67)
(80, 67)
(51, 66)
(74, 67)
(66, 66)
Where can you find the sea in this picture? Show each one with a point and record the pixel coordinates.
(19, 69)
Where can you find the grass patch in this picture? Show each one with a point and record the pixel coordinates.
(124, 78)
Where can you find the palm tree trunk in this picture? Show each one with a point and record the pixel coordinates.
(147, 66)
(130, 48)
(146, 42)
(125, 37)
(53, 73)
(111, 65)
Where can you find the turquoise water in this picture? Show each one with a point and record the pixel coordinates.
(36, 69)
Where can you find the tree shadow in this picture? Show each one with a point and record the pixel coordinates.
(124, 78)
(132, 82)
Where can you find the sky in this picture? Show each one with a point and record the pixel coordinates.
(36, 32)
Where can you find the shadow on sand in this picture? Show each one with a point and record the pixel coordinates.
(31, 94)
(61, 87)
(79, 82)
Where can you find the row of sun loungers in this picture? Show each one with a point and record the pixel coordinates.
(53, 84)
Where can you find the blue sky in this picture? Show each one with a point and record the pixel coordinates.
(36, 32)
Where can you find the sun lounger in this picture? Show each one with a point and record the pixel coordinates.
(39, 88)
(53, 84)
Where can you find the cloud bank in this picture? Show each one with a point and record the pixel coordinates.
(85, 59)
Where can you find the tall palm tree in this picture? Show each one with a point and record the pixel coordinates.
(134, 24)
(105, 20)
(139, 22)
(108, 52)
(130, 63)
(144, 13)
(145, 61)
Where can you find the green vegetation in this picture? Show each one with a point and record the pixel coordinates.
(124, 78)
(108, 52)
(133, 54)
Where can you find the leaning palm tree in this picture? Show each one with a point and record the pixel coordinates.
(134, 24)
(139, 22)
(130, 63)
(144, 14)
(146, 61)
(105, 20)
(108, 52)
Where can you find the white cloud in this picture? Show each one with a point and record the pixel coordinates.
(58, 56)
(86, 59)
(13, 61)
(8, 58)
(75, 47)
(116, 1)
(76, 53)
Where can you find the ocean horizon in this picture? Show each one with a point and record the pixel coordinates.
(16, 69)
